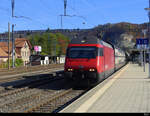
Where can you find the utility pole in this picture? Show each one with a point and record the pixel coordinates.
(13, 47)
(8, 46)
(61, 16)
(65, 6)
(66, 15)
(61, 21)
(49, 44)
(54, 51)
(148, 9)
(13, 5)
(13, 39)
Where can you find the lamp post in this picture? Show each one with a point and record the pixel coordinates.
(148, 9)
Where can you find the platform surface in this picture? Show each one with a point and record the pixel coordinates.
(128, 90)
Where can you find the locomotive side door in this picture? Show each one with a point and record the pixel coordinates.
(103, 61)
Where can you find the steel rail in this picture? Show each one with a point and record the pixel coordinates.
(48, 100)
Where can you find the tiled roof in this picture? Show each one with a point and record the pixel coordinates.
(19, 43)
(3, 53)
(6, 49)
(3, 44)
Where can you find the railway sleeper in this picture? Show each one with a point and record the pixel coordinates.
(48, 100)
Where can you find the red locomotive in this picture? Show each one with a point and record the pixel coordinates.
(89, 58)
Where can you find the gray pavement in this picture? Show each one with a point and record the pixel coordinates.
(126, 91)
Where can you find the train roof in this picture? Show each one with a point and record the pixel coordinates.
(89, 40)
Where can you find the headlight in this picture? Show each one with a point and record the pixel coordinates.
(91, 70)
(70, 69)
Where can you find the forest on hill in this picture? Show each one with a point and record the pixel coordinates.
(52, 44)
(122, 34)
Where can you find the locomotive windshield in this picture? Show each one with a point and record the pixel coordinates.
(82, 52)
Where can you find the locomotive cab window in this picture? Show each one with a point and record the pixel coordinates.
(82, 52)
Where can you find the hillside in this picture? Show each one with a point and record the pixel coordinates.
(121, 34)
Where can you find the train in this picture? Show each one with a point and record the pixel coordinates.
(90, 58)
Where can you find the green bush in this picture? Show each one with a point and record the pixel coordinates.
(3, 65)
(18, 62)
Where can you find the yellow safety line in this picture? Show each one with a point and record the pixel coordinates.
(85, 106)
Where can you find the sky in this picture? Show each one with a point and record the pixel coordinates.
(43, 14)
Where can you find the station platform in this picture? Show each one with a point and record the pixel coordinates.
(126, 91)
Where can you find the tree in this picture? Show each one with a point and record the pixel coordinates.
(52, 44)
(48, 30)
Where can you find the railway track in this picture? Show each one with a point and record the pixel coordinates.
(28, 69)
(35, 99)
(21, 76)
(43, 95)
(30, 83)
(9, 84)
(17, 98)
(55, 101)
(21, 80)
(38, 95)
